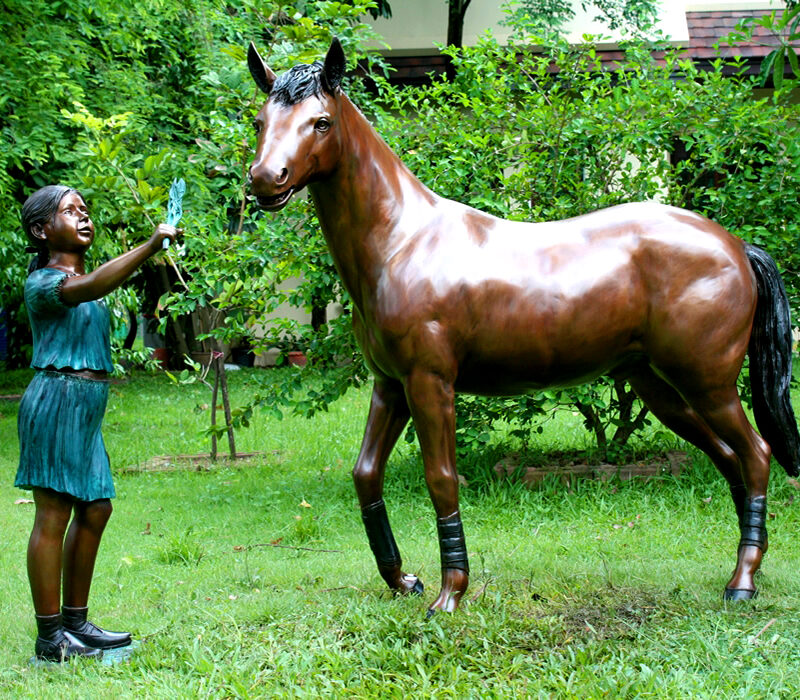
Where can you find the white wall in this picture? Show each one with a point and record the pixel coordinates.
(417, 26)
(267, 359)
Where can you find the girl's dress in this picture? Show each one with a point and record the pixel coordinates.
(61, 414)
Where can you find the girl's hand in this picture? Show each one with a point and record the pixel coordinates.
(160, 233)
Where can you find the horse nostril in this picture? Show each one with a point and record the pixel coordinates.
(284, 175)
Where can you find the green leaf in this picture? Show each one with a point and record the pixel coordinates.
(793, 62)
(766, 67)
(777, 68)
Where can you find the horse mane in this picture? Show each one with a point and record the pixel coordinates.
(298, 83)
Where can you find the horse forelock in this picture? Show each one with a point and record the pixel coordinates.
(298, 83)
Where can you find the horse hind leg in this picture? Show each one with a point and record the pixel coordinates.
(673, 411)
(722, 411)
(720, 429)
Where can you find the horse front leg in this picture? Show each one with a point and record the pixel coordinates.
(431, 400)
(388, 415)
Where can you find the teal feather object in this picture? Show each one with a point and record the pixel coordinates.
(175, 205)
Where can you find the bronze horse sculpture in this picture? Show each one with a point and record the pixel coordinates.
(449, 299)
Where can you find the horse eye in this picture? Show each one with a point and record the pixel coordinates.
(257, 127)
(322, 125)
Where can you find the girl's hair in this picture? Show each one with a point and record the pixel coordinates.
(40, 208)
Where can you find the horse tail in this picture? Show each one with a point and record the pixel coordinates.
(770, 352)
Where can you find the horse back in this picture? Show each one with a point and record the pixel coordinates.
(561, 302)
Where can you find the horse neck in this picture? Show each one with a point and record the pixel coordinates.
(360, 206)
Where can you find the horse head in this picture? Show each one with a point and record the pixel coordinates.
(298, 139)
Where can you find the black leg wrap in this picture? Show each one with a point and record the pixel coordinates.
(452, 545)
(379, 534)
(753, 522)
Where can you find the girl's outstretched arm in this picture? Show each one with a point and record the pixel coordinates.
(113, 273)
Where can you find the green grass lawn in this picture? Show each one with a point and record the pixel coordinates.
(598, 589)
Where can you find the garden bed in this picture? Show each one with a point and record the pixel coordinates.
(512, 467)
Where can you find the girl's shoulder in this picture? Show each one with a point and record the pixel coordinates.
(43, 289)
(43, 274)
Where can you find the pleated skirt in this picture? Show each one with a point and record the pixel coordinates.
(60, 438)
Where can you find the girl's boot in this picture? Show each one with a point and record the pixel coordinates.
(76, 624)
(53, 643)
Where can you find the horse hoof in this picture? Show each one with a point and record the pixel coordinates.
(736, 594)
(431, 612)
(411, 585)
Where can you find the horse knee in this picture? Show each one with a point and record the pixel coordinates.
(365, 476)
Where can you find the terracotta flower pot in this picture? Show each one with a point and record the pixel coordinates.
(297, 357)
(162, 355)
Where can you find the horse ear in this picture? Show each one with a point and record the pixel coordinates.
(334, 67)
(261, 73)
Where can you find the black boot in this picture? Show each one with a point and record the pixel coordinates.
(76, 624)
(54, 643)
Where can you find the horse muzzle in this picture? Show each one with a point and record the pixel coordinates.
(276, 201)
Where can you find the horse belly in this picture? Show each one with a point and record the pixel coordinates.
(552, 348)
(517, 372)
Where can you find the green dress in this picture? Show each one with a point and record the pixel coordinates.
(61, 415)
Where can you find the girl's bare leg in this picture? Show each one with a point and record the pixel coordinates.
(80, 549)
(45, 547)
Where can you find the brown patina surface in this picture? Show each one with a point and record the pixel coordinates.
(449, 299)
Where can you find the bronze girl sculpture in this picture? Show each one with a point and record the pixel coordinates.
(448, 299)
(62, 455)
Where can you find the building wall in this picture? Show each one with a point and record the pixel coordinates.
(295, 313)
(417, 26)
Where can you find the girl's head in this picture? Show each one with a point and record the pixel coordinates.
(39, 209)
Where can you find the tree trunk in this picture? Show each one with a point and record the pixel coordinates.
(180, 336)
(226, 404)
(319, 315)
(457, 10)
(133, 327)
(214, 392)
(595, 425)
(152, 282)
(626, 398)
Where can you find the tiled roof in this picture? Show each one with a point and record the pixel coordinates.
(705, 30)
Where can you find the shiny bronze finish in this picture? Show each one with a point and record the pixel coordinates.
(449, 299)
(73, 488)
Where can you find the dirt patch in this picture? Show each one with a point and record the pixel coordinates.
(606, 619)
(513, 467)
(197, 462)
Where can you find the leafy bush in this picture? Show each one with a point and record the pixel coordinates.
(119, 98)
(553, 133)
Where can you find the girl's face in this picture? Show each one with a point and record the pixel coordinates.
(71, 230)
